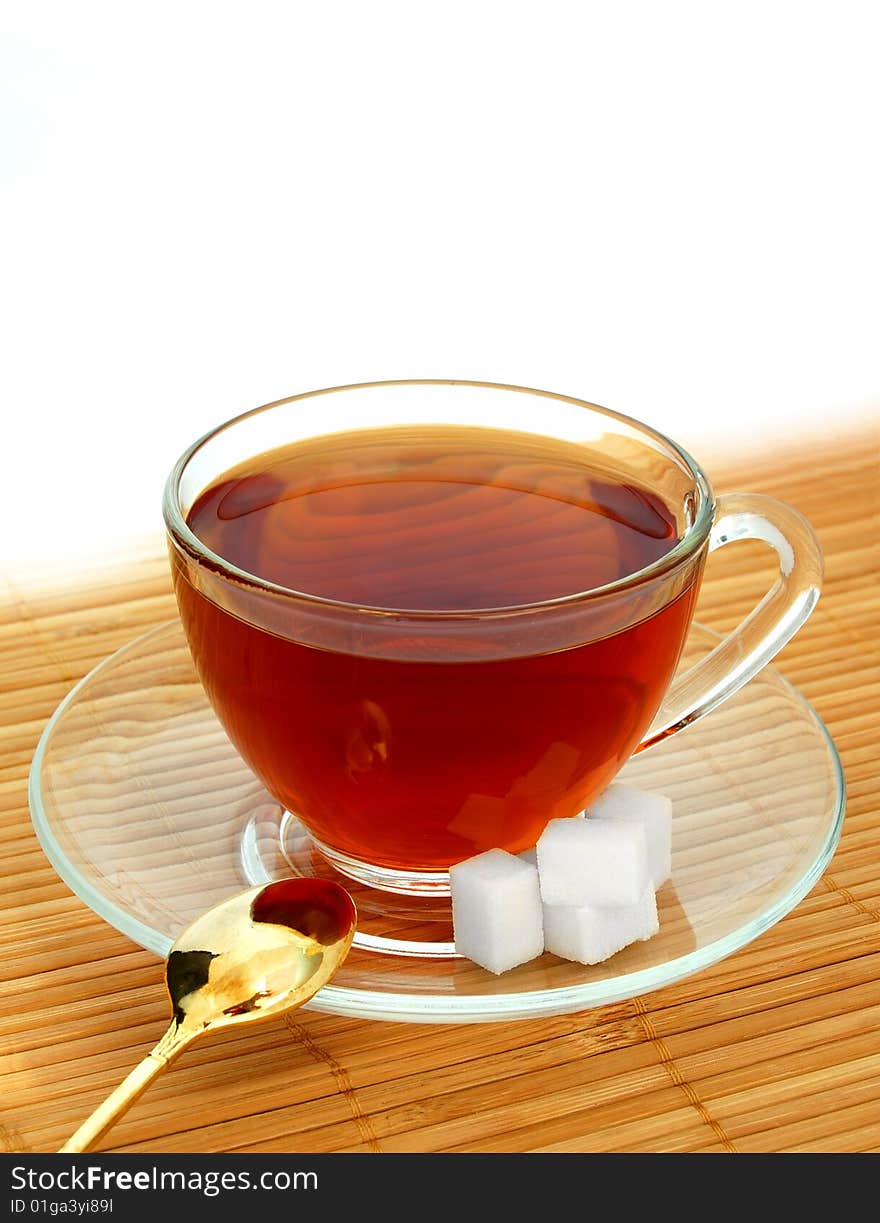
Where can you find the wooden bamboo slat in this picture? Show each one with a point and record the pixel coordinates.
(771, 1049)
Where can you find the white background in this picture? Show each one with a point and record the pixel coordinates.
(671, 209)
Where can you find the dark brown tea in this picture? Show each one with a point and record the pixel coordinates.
(419, 755)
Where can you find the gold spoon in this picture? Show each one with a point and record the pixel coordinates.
(264, 952)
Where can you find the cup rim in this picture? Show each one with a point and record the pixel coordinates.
(691, 541)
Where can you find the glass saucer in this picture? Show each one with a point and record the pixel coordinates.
(146, 811)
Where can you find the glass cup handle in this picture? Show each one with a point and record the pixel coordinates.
(767, 628)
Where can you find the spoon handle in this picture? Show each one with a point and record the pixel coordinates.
(116, 1103)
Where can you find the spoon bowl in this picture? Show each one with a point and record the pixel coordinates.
(265, 951)
(259, 954)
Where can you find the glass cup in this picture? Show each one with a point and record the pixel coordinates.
(407, 740)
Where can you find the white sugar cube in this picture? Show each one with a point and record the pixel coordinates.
(652, 811)
(529, 855)
(496, 910)
(592, 933)
(598, 862)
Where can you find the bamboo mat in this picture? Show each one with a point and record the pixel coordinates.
(772, 1049)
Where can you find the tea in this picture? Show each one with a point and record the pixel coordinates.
(423, 756)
